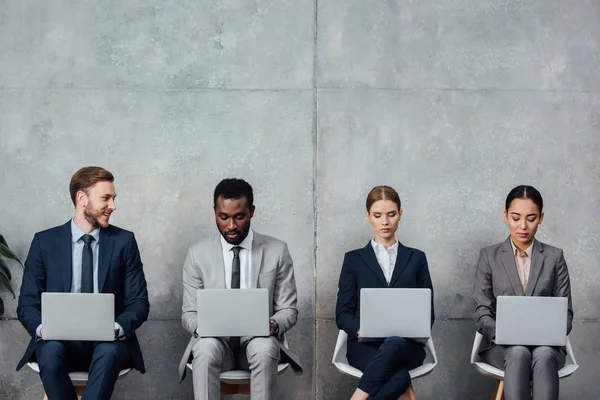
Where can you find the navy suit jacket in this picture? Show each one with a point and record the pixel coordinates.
(361, 270)
(48, 268)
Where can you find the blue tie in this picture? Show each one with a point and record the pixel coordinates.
(87, 265)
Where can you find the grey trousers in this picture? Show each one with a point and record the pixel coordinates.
(212, 356)
(525, 365)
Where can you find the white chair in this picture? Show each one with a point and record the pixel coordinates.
(341, 363)
(498, 374)
(238, 381)
(79, 379)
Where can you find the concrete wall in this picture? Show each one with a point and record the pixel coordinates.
(452, 102)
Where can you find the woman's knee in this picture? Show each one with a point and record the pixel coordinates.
(517, 354)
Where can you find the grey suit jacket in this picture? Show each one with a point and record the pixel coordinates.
(272, 268)
(497, 275)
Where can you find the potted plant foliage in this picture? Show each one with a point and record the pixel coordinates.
(5, 275)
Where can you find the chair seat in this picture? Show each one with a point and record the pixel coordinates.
(238, 377)
(78, 378)
(341, 363)
(496, 373)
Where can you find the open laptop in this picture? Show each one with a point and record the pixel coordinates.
(531, 321)
(233, 312)
(78, 316)
(395, 312)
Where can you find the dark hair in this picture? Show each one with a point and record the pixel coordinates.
(87, 177)
(525, 192)
(233, 188)
(382, 192)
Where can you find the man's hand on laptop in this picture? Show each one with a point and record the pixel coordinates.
(273, 327)
(358, 334)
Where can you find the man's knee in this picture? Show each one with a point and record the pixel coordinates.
(110, 351)
(51, 354)
(517, 354)
(544, 355)
(262, 350)
(209, 350)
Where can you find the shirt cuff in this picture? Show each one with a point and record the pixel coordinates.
(38, 331)
(121, 331)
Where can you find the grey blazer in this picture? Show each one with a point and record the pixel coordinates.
(272, 268)
(497, 275)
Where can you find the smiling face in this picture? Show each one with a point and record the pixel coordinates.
(523, 218)
(98, 203)
(384, 216)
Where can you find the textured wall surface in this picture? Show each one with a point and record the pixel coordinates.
(452, 102)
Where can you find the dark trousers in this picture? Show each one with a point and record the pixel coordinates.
(103, 361)
(527, 368)
(385, 365)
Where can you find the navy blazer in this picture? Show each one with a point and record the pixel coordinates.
(361, 270)
(49, 268)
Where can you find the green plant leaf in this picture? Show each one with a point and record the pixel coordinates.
(5, 277)
(4, 269)
(6, 252)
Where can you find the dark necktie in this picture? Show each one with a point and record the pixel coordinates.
(235, 284)
(87, 265)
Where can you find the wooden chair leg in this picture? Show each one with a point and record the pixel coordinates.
(409, 394)
(79, 390)
(244, 388)
(228, 389)
(499, 390)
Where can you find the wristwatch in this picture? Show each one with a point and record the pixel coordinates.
(273, 322)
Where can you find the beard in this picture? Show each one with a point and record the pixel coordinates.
(241, 235)
(93, 216)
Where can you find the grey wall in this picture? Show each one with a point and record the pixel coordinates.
(452, 102)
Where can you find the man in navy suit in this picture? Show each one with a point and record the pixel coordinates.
(85, 255)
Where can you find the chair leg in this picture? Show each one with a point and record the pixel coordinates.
(228, 389)
(499, 390)
(409, 394)
(79, 390)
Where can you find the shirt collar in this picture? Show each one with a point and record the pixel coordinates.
(527, 250)
(77, 233)
(246, 243)
(379, 247)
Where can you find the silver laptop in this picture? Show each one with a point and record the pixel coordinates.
(531, 321)
(78, 316)
(233, 312)
(395, 312)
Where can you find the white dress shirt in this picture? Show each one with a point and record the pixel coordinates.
(386, 258)
(77, 252)
(245, 261)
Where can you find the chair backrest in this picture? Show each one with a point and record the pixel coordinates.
(339, 354)
(475, 350)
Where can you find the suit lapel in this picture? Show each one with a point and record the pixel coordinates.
(402, 260)
(368, 256)
(64, 251)
(105, 250)
(257, 254)
(217, 262)
(508, 261)
(537, 263)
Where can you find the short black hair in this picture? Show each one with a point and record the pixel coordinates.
(234, 188)
(525, 192)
